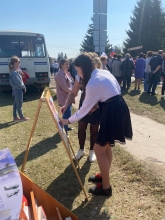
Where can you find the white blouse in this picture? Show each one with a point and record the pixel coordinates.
(101, 87)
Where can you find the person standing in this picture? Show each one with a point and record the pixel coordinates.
(115, 122)
(64, 87)
(147, 71)
(104, 62)
(56, 67)
(92, 118)
(127, 68)
(116, 69)
(139, 70)
(163, 77)
(18, 88)
(155, 66)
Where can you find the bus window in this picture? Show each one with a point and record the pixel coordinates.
(9, 46)
(32, 46)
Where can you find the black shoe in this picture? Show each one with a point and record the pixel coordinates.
(69, 129)
(99, 191)
(138, 88)
(135, 88)
(96, 178)
(153, 94)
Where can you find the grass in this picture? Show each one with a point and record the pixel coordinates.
(137, 193)
(141, 103)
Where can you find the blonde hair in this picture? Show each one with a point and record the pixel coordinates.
(97, 63)
(11, 63)
(96, 59)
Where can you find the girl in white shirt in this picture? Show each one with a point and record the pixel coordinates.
(115, 122)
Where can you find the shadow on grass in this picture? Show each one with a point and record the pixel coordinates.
(39, 149)
(66, 188)
(134, 92)
(148, 99)
(7, 99)
(92, 209)
(162, 103)
(8, 124)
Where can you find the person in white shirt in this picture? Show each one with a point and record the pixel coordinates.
(56, 67)
(115, 122)
(92, 118)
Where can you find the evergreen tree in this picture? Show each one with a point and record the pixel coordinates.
(62, 56)
(59, 57)
(87, 43)
(146, 27)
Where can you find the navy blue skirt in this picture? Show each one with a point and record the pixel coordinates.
(115, 123)
(93, 118)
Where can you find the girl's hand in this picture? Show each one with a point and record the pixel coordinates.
(93, 109)
(64, 121)
(63, 109)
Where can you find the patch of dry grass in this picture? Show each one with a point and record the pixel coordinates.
(137, 194)
(141, 103)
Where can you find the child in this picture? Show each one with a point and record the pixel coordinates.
(18, 88)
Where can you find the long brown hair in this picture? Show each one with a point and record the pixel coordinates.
(11, 63)
(86, 63)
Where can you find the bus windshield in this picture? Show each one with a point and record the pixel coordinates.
(22, 46)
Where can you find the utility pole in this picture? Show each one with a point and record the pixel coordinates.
(99, 25)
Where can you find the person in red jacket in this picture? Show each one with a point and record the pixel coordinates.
(24, 75)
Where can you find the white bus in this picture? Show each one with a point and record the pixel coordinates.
(31, 49)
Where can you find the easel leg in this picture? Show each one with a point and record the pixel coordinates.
(73, 153)
(73, 165)
(31, 135)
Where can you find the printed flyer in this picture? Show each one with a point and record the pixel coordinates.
(10, 187)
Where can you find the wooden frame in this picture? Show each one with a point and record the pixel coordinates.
(49, 204)
(46, 96)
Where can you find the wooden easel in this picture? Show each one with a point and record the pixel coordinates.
(46, 97)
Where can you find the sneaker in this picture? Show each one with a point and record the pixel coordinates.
(70, 129)
(135, 88)
(138, 88)
(96, 178)
(79, 154)
(24, 119)
(99, 191)
(16, 119)
(154, 93)
(92, 156)
(162, 96)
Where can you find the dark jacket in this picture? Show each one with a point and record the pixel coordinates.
(126, 67)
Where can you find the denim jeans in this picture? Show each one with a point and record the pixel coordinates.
(154, 82)
(146, 75)
(67, 115)
(18, 100)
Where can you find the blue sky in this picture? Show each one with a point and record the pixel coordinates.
(64, 23)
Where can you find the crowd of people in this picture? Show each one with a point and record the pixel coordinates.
(102, 106)
(144, 67)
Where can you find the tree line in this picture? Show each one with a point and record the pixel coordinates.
(146, 28)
